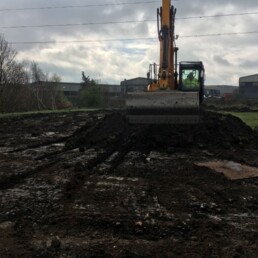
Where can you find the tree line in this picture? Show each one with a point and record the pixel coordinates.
(24, 86)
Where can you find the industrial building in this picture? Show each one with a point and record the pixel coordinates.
(135, 84)
(248, 86)
(71, 90)
(223, 89)
(219, 91)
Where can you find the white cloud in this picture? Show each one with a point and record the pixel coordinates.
(225, 57)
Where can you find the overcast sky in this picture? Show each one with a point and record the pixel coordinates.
(226, 58)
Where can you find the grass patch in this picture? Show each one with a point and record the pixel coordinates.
(2, 115)
(250, 118)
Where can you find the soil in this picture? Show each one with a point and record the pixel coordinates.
(91, 185)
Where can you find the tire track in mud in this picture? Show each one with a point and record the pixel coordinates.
(53, 158)
(38, 145)
(19, 179)
(19, 176)
(113, 156)
(58, 156)
(116, 148)
(50, 142)
(90, 171)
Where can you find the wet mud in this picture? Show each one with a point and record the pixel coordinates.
(91, 185)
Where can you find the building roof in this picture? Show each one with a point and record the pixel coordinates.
(128, 81)
(222, 88)
(136, 78)
(248, 76)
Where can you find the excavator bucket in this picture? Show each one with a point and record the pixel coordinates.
(163, 107)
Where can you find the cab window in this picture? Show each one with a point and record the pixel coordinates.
(190, 79)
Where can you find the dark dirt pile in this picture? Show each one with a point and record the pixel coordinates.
(216, 130)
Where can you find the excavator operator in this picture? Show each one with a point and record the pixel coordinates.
(191, 82)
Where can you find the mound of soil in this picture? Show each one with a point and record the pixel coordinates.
(225, 131)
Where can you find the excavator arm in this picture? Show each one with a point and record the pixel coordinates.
(168, 52)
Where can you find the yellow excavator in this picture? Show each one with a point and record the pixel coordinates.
(171, 96)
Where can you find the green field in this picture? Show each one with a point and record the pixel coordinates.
(47, 112)
(250, 118)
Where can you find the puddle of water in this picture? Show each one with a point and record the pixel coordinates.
(231, 169)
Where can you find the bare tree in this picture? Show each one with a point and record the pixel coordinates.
(46, 88)
(12, 75)
(17, 74)
(7, 60)
(36, 73)
(24, 85)
(37, 77)
(54, 89)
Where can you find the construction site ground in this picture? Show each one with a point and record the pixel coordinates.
(87, 184)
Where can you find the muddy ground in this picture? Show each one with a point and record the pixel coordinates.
(90, 185)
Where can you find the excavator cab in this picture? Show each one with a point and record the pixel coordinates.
(191, 78)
